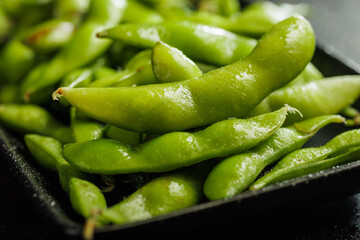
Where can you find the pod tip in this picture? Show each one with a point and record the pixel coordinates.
(293, 110)
(101, 34)
(57, 94)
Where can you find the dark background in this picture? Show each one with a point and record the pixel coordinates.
(336, 24)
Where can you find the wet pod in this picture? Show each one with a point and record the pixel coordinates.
(231, 91)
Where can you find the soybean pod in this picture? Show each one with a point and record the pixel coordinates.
(231, 91)
(235, 174)
(287, 167)
(174, 150)
(83, 48)
(158, 197)
(328, 96)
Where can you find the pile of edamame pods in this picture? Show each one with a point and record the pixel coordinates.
(189, 99)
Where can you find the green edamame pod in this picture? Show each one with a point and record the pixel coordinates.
(327, 163)
(176, 149)
(85, 128)
(310, 73)
(80, 77)
(328, 96)
(234, 174)
(49, 36)
(83, 48)
(138, 71)
(28, 118)
(71, 10)
(257, 18)
(86, 198)
(285, 168)
(163, 194)
(104, 72)
(221, 7)
(171, 65)
(16, 60)
(202, 43)
(46, 150)
(123, 136)
(231, 91)
(136, 12)
(31, 78)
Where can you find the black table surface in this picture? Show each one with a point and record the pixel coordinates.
(337, 25)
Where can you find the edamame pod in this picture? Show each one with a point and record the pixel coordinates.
(164, 194)
(28, 118)
(176, 149)
(16, 60)
(71, 10)
(49, 36)
(171, 65)
(233, 175)
(83, 47)
(85, 128)
(231, 91)
(85, 197)
(202, 43)
(137, 12)
(254, 20)
(285, 167)
(123, 136)
(46, 150)
(138, 71)
(350, 155)
(328, 96)
(221, 7)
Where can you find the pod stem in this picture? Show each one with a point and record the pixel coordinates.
(57, 94)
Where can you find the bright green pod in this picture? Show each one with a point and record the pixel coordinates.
(83, 48)
(28, 118)
(164, 194)
(290, 163)
(16, 60)
(137, 12)
(85, 128)
(47, 151)
(235, 174)
(310, 73)
(138, 71)
(176, 149)
(31, 78)
(71, 10)
(104, 72)
(221, 7)
(171, 65)
(328, 96)
(123, 136)
(49, 36)
(198, 42)
(230, 91)
(86, 198)
(348, 156)
(80, 77)
(255, 19)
